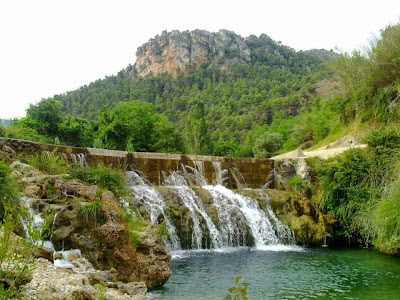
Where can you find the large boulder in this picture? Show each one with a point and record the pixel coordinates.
(309, 225)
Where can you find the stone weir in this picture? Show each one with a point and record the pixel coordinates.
(243, 172)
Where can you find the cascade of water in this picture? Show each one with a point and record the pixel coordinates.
(63, 156)
(73, 158)
(283, 232)
(82, 159)
(196, 174)
(228, 204)
(238, 177)
(79, 158)
(221, 175)
(72, 259)
(154, 205)
(196, 206)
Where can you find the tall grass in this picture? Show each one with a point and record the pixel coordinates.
(386, 219)
(49, 162)
(9, 192)
(91, 212)
(103, 176)
(371, 80)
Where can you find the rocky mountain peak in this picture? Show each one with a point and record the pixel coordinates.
(176, 50)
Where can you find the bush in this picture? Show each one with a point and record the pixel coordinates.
(91, 212)
(386, 219)
(16, 254)
(9, 193)
(267, 144)
(239, 291)
(347, 190)
(104, 177)
(49, 163)
(297, 185)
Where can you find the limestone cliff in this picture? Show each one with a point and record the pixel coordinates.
(177, 50)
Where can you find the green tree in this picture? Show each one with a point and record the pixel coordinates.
(137, 125)
(45, 117)
(76, 132)
(267, 144)
(198, 137)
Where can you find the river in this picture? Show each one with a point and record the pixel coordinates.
(284, 272)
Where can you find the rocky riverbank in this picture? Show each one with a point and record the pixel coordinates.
(123, 267)
(50, 282)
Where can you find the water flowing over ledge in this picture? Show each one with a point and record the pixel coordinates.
(216, 217)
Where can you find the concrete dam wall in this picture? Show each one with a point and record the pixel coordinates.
(155, 167)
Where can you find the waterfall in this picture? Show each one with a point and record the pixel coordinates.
(283, 232)
(229, 203)
(220, 175)
(71, 259)
(79, 158)
(236, 220)
(154, 205)
(195, 205)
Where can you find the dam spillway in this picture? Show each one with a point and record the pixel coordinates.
(241, 172)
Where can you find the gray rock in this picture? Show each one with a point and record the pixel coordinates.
(176, 50)
(46, 253)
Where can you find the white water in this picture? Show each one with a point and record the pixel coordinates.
(240, 219)
(221, 175)
(229, 205)
(154, 205)
(79, 158)
(195, 205)
(70, 259)
(284, 233)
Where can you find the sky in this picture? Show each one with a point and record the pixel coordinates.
(49, 47)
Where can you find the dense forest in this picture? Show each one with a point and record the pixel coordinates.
(205, 110)
(280, 100)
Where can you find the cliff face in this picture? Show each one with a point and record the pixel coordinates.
(176, 50)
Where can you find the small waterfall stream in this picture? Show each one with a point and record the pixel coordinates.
(154, 204)
(71, 259)
(196, 206)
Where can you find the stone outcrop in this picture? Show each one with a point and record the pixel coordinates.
(108, 245)
(50, 282)
(177, 50)
(106, 241)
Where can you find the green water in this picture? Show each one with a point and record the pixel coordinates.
(316, 273)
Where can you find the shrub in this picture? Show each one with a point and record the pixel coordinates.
(267, 144)
(346, 184)
(91, 212)
(104, 177)
(386, 219)
(16, 254)
(49, 163)
(297, 185)
(239, 291)
(9, 193)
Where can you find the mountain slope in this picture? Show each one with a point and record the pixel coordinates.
(242, 82)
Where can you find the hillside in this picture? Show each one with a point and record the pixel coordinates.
(241, 83)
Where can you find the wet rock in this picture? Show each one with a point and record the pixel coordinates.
(308, 224)
(109, 246)
(44, 252)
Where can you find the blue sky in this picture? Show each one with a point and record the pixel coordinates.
(49, 47)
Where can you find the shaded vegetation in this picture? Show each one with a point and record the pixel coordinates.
(9, 191)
